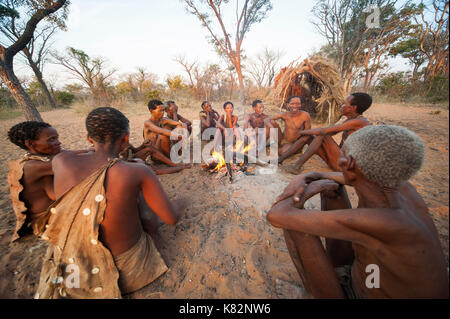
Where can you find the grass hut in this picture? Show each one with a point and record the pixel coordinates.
(319, 84)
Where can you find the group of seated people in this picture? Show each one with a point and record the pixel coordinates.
(99, 208)
(297, 133)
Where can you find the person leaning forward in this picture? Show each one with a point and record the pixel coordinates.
(99, 224)
(390, 236)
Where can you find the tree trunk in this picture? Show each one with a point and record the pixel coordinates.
(416, 70)
(7, 57)
(366, 80)
(23, 100)
(231, 86)
(348, 84)
(240, 108)
(39, 77)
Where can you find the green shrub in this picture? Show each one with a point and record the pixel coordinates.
(403, 87)
(153, 94)
(64, 98)
(437, 88)
(393, 84)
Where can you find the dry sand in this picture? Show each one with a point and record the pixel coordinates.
(223, 247)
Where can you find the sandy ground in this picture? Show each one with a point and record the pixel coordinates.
(223, 247)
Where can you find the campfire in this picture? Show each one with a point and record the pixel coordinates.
(217, 163)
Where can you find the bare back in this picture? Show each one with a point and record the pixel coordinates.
(407, 251)
(359, 123)
(37, 182)
(121, 227)
(398, 238)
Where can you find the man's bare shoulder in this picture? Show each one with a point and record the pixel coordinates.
(64, 156)
(365, 121)
(282, 115)
(305, 115)
(36, 166)
(359, 121)
(149, 124)
(411, 196)
(36, 163)
(67, 158)
(129, 169)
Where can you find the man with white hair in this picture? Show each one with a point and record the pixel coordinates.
(388, 247)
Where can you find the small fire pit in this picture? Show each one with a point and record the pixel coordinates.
(217, 164)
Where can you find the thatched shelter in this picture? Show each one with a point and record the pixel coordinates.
(319, 84)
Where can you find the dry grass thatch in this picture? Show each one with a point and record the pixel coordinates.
(317, 81)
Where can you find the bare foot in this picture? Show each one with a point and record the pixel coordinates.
(291, 169)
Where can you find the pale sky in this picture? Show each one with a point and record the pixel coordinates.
(150, 33)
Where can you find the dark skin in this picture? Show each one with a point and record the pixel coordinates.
(37, 180)
(391, 228)
(210, 118)
(147, 149)
(126, 185)
(155, 131)
(256, 121)
(228, 122)
(172, 114)
(37, 177)
(296, 122)
(320, 140)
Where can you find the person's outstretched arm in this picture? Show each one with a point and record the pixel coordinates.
(173, 123)
(158, 130)
(184, 120)
(268, 120)
(354, 124)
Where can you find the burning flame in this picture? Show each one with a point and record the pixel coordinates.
(237, 149)
(218, 157)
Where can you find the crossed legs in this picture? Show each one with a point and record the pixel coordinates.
(155, 153)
